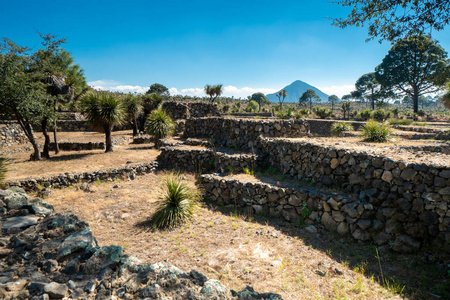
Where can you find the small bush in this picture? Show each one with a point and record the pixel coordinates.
(380, 115)
(377, 132)
(176, 204)
(338, 128)
(366, 114)
(159, 124)
(322, 112)
(284, 114)
(225, 108)
(253, 106)
(400, 122)
(3, 168)
(421, 113)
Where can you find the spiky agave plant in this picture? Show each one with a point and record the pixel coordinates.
(177, 203)
(376, 132)
(159, 124)
(3, 168)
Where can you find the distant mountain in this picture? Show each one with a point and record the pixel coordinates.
(295, 90)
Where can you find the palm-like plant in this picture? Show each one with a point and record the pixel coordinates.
(281, 94)
(213, 91)
(133, 108)
(159, 124)
(103, 110)
(3, 168)
(176, 203)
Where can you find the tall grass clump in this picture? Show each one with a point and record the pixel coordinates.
(3, 168)
(376, 132)
(160, 125)
(366, 114)
(338, 128)
(322, 112)
(380, 115)
(176, 204)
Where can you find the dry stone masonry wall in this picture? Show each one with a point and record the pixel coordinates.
(11, 133)
(185, 110)
(243, 134)
(405, 227)
(45, 255)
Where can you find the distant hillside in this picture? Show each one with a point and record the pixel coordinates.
(295, 90)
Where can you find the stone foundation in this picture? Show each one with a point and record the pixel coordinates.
(11, 133)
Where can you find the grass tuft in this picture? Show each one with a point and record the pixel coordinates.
(338, 128)
(376, 132)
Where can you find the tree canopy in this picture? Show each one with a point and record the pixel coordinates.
(308, 96)
(333, 99)
(394, 19)
(213, 91)
(260, 98)
(159, 89)
(369, 87)
(281, 95)
(414, 66)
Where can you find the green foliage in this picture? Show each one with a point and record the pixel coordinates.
(248, 171)
(225, 108)
(415, 65)
(339, 127)
(346, 106)
(400, 122)
(284, 114)
(374, 131)
(281, 95)
(4, 162)
(381, 115)
(159, 124)
(383, 20)
(308, 96)
(158, 89)
(133, 106)
(322, 112)
(213, 91)
(366, 114)
(176, 204)
(260, 98)
(252, 106)
(421, 113)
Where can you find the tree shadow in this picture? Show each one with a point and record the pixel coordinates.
(68, 157)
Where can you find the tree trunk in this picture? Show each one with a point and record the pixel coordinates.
(46, 150)
(416, 98)
(26, 127)
(310, 104)
(108, 141)
(55, 129)
(332, 106)
(134, 126)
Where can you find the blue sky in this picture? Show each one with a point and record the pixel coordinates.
(248, 46)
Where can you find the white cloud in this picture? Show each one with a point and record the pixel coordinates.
(115, 86)
(228, 91)
(338, 90)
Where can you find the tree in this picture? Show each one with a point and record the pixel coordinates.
(446, 97)
(103, 110)
(346, 106)
(260, 98)
(159, 125)
(159, 89)
(369, 87)
(20, 92)
(133, 108)
(213, 91)
(414, 66)
(333, 99)
(252, 106)
(393, 19)
(308, 96)
(281, 94)
(149, 103)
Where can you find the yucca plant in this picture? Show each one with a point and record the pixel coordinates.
(176, 204)
(103, 110)
(377, 132)
(338, 128)
(133, 108)
(3, 168)
(159, 124)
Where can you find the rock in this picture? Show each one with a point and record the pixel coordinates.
(360, 234)
(328, 222)
(348, 209)
(311, 229)
(334, 163)
(20, 222)
(342, 228)
(153, 291)
(337, 216)
(90, 287)
(364, 224)
(198, 278)
(56, 290)
(382, 238)
(406, 244)
(387, 176)
(16, 285)
(16, 200)
(213, 288)
(294, 200)
(104, 257)
(40, 207)
(76, 242)
(50, 266)
(408, 174)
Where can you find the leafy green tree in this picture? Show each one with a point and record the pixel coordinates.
(260, 98)
(159, 89)
(149, 103)
(394, 19)
(333, 99)
(159, 124)
(103, 110)
(308, 96)
(252, 106)
(414, 66)
(133, 108)
(213, 91)
(369, 87)
(281, 95)
(20, 92)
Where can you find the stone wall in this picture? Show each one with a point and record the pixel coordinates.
(68, 179)
(66, 146)
(75, 125)
(320, 127)
(11, 133)
(206, 160)
(185, 110)
(243, 134)
(48, 255)
(407, 225)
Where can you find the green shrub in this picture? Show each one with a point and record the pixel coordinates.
(284, 114)
(395, 112)
(366, 114)
(375, 131)
(421, 113)
(3, 168)
(253, 106)
(322, 112)
(225, 108)
(159, 124)
(380, 115)
(338, 128)
(400, 122)
(176, 204)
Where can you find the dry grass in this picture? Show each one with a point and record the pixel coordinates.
(79, 161)
(237, 250)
